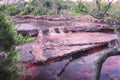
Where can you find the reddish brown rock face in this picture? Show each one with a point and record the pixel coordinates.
(65, 49)
(111, 68)
(59, 45)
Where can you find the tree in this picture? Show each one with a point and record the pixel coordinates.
(99, 12)
(109, 52)
(100, 9)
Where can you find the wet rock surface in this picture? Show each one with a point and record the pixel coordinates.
(47, 72)
(111, 68)
(83, 69)
(27, 29)
(64, 45)
(33, 32)
(65, 48)
(78, 69)
(66, 25)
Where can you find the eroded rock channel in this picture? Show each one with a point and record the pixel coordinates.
(64, 49)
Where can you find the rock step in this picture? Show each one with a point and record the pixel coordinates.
(75, 54)
(33, 32)
(47, 47)
(61, 30)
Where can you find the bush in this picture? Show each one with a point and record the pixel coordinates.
(12, 10)
(62, 4)
(2, 7)
(21, 39)
(8, 34)
(20, 6)
(39, 11)
(8, 56)
(47, 3)
(8, 67)
(36, 2)
(9, 9)
(27, 9)
(50, 12)
(78, 7)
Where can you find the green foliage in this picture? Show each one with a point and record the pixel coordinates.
(50, 12)
(8, 56)
(8, 34)
(47, 3)
(117, 15)
(12, 10)
(22, 40)
(2, 7)
(36, 3)
(37, 7)
(9, 9)
(42, 7)
(112, 79)
(39, 11)
(8, 68)
(114, 11)
(62, 4)
(103, 6)
(20, 6)
(100, 13)
(59, 6)
(80, 8)
(27, 9)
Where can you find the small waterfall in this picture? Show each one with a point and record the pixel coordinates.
(61, 30)
(40, 33)
(52, 31)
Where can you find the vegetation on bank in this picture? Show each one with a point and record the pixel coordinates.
(38, 7)
(50, 7)
(9, 56)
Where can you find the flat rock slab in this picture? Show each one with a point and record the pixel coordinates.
(111, 68)
(90, 27)
(83, 69)
(26, 26)
(71, 26)
(60, 45)
(79, 69)
(85, 37)
(47, 72)
(27, 29)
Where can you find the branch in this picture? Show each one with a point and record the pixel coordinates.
(102, 58)
(108, 6)
(85, 11)
(98, 4)
(99, 9)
